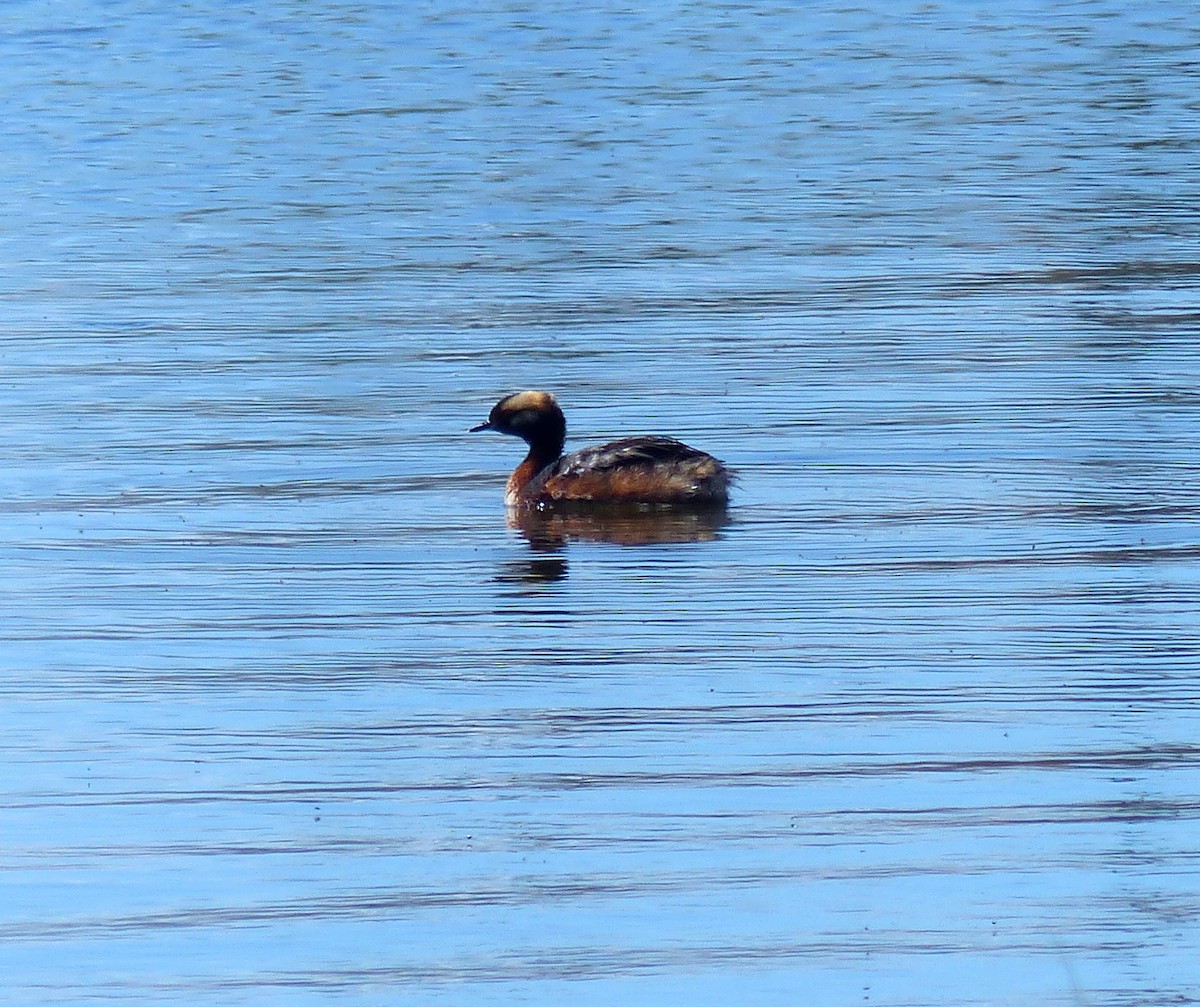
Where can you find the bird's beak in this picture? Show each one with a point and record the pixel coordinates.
(485, 425)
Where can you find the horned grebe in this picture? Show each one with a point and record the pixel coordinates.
(633, 470)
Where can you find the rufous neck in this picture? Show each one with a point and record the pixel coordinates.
(523, 474)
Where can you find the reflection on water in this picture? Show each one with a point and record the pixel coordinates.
(533, 570)
(549, 532)
(288, 713)
(550, 529)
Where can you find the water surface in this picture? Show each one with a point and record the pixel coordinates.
(291, 713)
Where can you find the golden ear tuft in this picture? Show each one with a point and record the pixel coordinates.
(537, 401)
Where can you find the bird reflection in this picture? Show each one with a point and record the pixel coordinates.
(533, 570)
(549, 531)
(619, 525)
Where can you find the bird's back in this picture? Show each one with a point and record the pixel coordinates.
(655, 470)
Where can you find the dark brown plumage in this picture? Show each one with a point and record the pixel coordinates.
(633, 470)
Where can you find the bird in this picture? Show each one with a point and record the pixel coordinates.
(647, 470)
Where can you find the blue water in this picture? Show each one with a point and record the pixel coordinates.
(290, 712)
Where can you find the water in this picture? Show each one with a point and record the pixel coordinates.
(291, 714)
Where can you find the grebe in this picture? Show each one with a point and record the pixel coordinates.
(633, 470)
